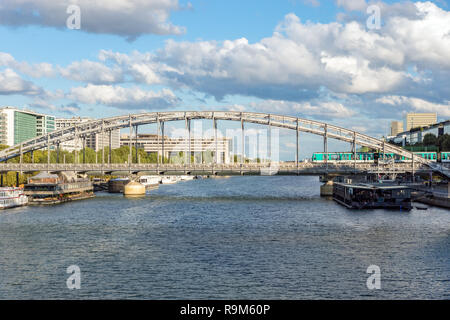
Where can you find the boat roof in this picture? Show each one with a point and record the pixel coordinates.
(45, 175)
(372, 186)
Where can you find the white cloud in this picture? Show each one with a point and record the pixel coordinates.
(301, 58)
(317, 110)
(120, 97)
(38, 70)
(303, 68)
(92, 72)
(12, 83)
(41, 103)
(297, 62)
(130, 18)
(352, 5)
(416, 104)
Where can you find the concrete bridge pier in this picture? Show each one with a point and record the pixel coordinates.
(326, 190)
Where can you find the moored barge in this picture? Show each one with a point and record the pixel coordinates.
(11, 197)
(45, 188)
(372, 196)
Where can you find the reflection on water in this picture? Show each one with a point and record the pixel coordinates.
(240, 238)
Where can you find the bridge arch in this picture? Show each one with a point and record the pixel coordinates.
(323, 129)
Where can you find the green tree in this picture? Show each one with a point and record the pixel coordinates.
(429, 139)
(443, 142)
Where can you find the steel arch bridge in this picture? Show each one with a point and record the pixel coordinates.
(107, 125)
(85, 129)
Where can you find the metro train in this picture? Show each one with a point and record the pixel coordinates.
(369, 157)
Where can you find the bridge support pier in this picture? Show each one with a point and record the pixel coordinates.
(326, 190)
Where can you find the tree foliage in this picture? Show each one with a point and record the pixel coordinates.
(429, 139)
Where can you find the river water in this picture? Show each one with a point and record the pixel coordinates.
(235, 238)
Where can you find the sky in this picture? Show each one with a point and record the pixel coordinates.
(357, 64)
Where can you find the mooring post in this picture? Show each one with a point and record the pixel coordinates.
(17, 178)
(1, 183)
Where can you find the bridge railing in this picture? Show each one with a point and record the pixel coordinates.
(249, 167)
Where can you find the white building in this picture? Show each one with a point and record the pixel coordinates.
(94, 141)
(17, 125)
(152, 143)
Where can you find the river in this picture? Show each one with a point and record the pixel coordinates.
(235, 238)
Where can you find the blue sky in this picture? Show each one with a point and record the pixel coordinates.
(315, 59)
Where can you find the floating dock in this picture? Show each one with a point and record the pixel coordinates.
(372, 196)
(45, 188)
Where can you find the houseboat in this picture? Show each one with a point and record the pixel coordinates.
(372, 196)
(169, 180)
(11, 197)
(187, 178)
(46, 188)
(150, 181)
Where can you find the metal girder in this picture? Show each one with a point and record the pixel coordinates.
(286, 122)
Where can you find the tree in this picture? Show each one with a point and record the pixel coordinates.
(429, 139)
(445, 145)
(444, 142)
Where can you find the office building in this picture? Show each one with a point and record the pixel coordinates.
(396, 127)
(152, 143)
(416, 120)
(94, 141)
(416, 135)
(18, 125)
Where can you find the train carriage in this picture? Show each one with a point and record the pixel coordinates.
(445, 156)
(370, 157)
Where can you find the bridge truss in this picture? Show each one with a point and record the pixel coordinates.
(107, 125)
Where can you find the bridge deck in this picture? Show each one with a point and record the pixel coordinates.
(221, 169)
